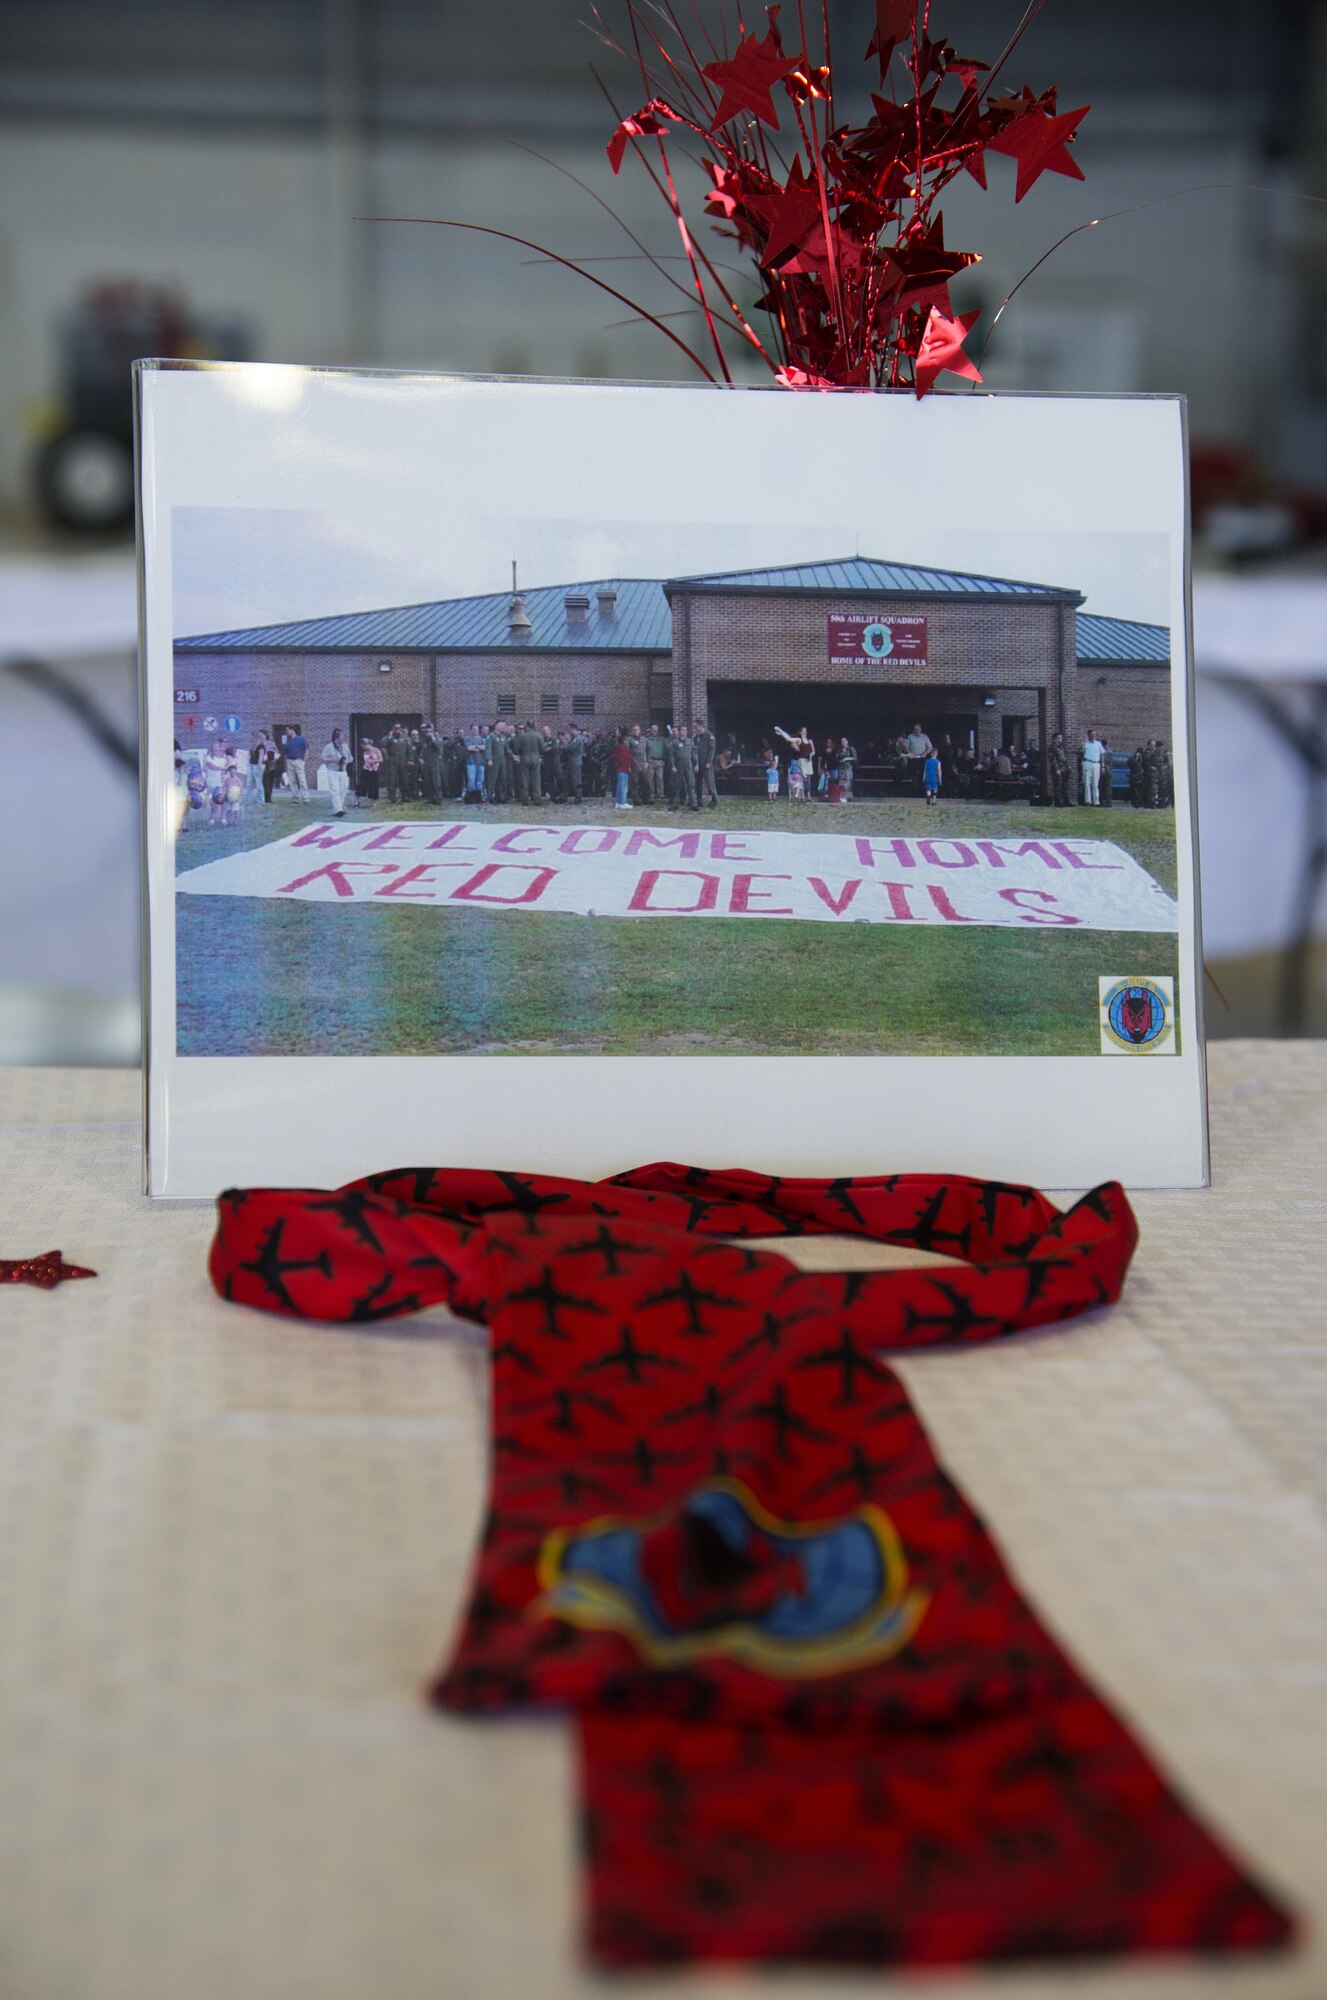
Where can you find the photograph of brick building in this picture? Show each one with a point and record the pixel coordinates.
(861, 645)
(484, 913)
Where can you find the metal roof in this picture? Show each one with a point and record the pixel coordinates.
(642, 622)
(1121, 639)
(864, 573)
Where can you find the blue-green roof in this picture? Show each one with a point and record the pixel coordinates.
(641, 620)
(640, 623)
(881, 579)
(1121, 639)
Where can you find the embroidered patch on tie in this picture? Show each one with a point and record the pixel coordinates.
(721, 1575)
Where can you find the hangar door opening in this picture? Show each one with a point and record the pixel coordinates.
(871, 716)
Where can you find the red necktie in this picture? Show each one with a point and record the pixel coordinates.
(817, 1719)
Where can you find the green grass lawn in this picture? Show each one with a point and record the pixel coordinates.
(257, 977)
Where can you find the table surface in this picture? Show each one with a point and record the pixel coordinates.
(232, 1548)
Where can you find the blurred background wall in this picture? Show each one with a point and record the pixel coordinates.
(192, 170)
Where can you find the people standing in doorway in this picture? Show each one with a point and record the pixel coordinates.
(370, 765)
(1058, 759)
(393, 757)
(1090, 758)
(916, 749)
(800, 747)
(846, 757)
(335, 762)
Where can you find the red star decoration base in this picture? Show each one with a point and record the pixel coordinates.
(47, 1271)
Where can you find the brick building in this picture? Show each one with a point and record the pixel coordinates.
(859, 645)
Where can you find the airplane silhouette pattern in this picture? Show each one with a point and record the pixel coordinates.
(938, 1783)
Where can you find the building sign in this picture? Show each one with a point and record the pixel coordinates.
(871, 641)
(186, 697)
(642, 871)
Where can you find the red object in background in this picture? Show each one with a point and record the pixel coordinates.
(818, 1719)
(842, 223)
(942, 349)
(1039, 143)
(46, 1271)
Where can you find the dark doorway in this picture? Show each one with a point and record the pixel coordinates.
(871, 716)
(376, 726)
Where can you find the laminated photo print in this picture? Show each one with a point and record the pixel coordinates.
(557, 775)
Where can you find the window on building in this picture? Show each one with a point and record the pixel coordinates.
(506, 704)
(582, 704)
(548, 704)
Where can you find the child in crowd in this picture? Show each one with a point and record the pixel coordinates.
(771, 772)
(234, 813)
(218, 769)
(931, 778)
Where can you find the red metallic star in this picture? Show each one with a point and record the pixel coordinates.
(942, 348)
(894, 23)
(1040, 143)
(47, 1271)
(798, 378)
(748, 78)
(653, 119)
(792, 217)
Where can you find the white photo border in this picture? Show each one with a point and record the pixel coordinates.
(214, 1122)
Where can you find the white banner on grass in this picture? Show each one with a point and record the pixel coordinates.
(670, 871)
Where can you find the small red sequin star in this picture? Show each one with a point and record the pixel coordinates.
(48, 1270)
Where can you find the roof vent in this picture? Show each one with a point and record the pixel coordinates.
(607, 597)
(518, 618)
(577, 607)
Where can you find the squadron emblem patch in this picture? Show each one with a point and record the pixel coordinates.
(1137, 1016)
(720, 1575)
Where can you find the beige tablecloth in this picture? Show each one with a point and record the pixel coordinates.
(232, 1548)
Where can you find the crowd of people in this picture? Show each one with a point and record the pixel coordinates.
(675, 768)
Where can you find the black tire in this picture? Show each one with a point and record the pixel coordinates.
(85, 480)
